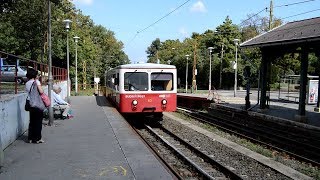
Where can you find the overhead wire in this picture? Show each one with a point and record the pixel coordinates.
(284, 5)
(296, 3)
(264, 9)
(164, 16)
(152, 24)
(295, 15)
(301, 13)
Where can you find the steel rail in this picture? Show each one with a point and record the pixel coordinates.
(296, 132)
(260, 129)
(228, 128)
(175, 173)
(205, 157)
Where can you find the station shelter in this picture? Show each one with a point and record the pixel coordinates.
(301, 37)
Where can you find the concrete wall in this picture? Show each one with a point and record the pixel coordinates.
(14, 120)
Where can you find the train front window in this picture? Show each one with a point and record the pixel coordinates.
(135, 81)
(161, 81)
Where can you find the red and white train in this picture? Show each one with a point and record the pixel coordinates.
(144, 89)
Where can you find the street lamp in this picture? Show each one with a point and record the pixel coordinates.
(76, 38)
(67, 22)
(187, 73)
(210, 50)
(235, 67)
(169, 61)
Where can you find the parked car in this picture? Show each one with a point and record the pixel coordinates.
(8, 74)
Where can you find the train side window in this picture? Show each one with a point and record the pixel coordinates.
(161, 81)
(117, 79)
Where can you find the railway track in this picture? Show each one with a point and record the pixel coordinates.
(186, 161)
(294, 142)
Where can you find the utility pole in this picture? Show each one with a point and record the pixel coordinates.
(271, 15)
(194, 80)
(50, 83)
(222, 51)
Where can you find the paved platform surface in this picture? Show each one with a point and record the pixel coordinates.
(96, 144)
(277, 107)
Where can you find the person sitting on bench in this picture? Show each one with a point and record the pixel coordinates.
(59, 103)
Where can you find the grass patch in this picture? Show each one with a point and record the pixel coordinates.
(182, 115)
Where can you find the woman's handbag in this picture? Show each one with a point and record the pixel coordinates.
(27, 107)
(35, 98)
(45, 99)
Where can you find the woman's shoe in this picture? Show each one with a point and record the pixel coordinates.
(40, 141)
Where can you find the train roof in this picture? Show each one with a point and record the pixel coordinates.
(146, 66)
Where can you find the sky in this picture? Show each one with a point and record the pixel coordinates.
(128, 17)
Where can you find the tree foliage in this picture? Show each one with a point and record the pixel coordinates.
(223, 55)
(174, 52)
(24, 30)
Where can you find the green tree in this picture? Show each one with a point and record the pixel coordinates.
(29, 39)
(153, 50)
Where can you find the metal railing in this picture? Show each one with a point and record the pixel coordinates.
(13, 71)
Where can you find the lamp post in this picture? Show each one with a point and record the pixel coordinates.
(210, 51)
(67, 22)
(169, 61)
(221, 58)
(236, 42)
(76, 38)
(187, 73)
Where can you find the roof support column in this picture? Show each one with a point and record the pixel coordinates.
(303, 85)
(264, 79)
(317, 109)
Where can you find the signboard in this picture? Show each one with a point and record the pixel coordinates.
(234, 64)
(97, 80)
(313, 91)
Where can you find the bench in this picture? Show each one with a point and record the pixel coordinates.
(57, 113)
(295, 98)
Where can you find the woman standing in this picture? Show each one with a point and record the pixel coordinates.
(36, 115)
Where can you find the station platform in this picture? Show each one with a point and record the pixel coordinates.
(277, 107)
(96, 144)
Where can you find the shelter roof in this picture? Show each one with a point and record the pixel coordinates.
(297, 32)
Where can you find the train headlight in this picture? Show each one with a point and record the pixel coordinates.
(134, 102)
(164, 102)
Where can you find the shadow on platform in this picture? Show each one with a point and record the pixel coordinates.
(102, 101)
